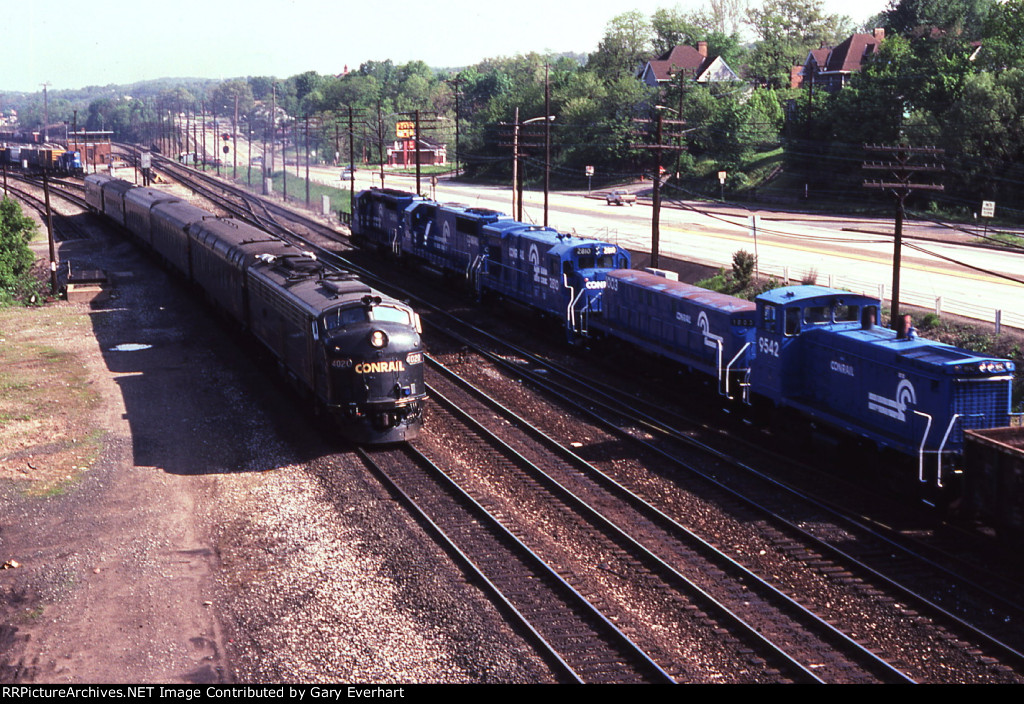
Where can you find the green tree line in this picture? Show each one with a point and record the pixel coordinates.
(948, 75)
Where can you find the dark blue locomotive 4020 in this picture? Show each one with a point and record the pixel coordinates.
(348, 348)
(815, 351)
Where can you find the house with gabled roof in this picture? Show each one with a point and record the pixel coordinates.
(693, 63)
(831, 69)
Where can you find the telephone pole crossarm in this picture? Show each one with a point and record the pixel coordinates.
(901, 170)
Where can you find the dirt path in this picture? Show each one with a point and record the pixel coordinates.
(169, 515)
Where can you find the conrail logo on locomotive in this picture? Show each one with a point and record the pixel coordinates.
(394, 365)
(841, 368)
(897, 407)
(713, 341)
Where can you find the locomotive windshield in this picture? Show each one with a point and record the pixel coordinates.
(598, 257)
(353, 315)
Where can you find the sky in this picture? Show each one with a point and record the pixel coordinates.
(75, 44)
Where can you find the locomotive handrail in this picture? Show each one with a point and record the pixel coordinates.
(921, 450)
(571, 312)
(942, 445)
(728, 370)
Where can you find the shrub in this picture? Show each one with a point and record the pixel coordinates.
(16, 259)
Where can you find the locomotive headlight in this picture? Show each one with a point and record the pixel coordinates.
(379, 339)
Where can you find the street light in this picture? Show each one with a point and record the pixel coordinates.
(517, 192)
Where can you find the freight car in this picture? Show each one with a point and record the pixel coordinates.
(36, 160)
(349, 349)
(808, 352)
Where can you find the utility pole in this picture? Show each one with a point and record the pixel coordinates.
(547, 141)
(901, 171)
(517, 150)
(659, 147)
(49, 233)
(46, 112)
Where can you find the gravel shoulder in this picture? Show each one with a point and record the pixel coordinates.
(172, 516)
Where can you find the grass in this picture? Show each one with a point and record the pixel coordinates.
(47, 433)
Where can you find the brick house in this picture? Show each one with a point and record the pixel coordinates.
(831, 69)
(693, 63)
(404, 153)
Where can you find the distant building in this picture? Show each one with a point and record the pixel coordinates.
(831, 69)
(404, 153)
(693, 64)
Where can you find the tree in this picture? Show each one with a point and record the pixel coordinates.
(788, 30)
(963, 18)
(16, 259)
(223, 97)
(626, 44)
(1003, 37)
(672, 28)
(983, 133)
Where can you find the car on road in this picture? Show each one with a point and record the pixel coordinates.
(348, 172)
(620, 198)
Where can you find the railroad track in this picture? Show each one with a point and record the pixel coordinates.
(580, 642)
(674, 565)
(811, 570)
(29, 190)
(825, 571)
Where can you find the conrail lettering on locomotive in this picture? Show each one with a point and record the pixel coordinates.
(380, 367)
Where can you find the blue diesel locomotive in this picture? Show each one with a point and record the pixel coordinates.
(818, 351)
(556, 273)
(815, 351)
(348, 348)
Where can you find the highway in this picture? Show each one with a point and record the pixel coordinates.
(851, 253)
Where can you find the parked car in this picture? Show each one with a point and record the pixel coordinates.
(620, 198)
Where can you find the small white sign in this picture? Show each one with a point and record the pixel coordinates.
(988, 208)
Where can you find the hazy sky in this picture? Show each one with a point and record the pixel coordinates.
(76, 44)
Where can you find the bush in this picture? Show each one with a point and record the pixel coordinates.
(743, 264)
(17, 282)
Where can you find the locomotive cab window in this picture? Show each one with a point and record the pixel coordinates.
(817, 315)
(342, 317)
(770, 320)
(792, 321)
(846, 313)
(586, 261)
(390, 314)
(353, 315)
